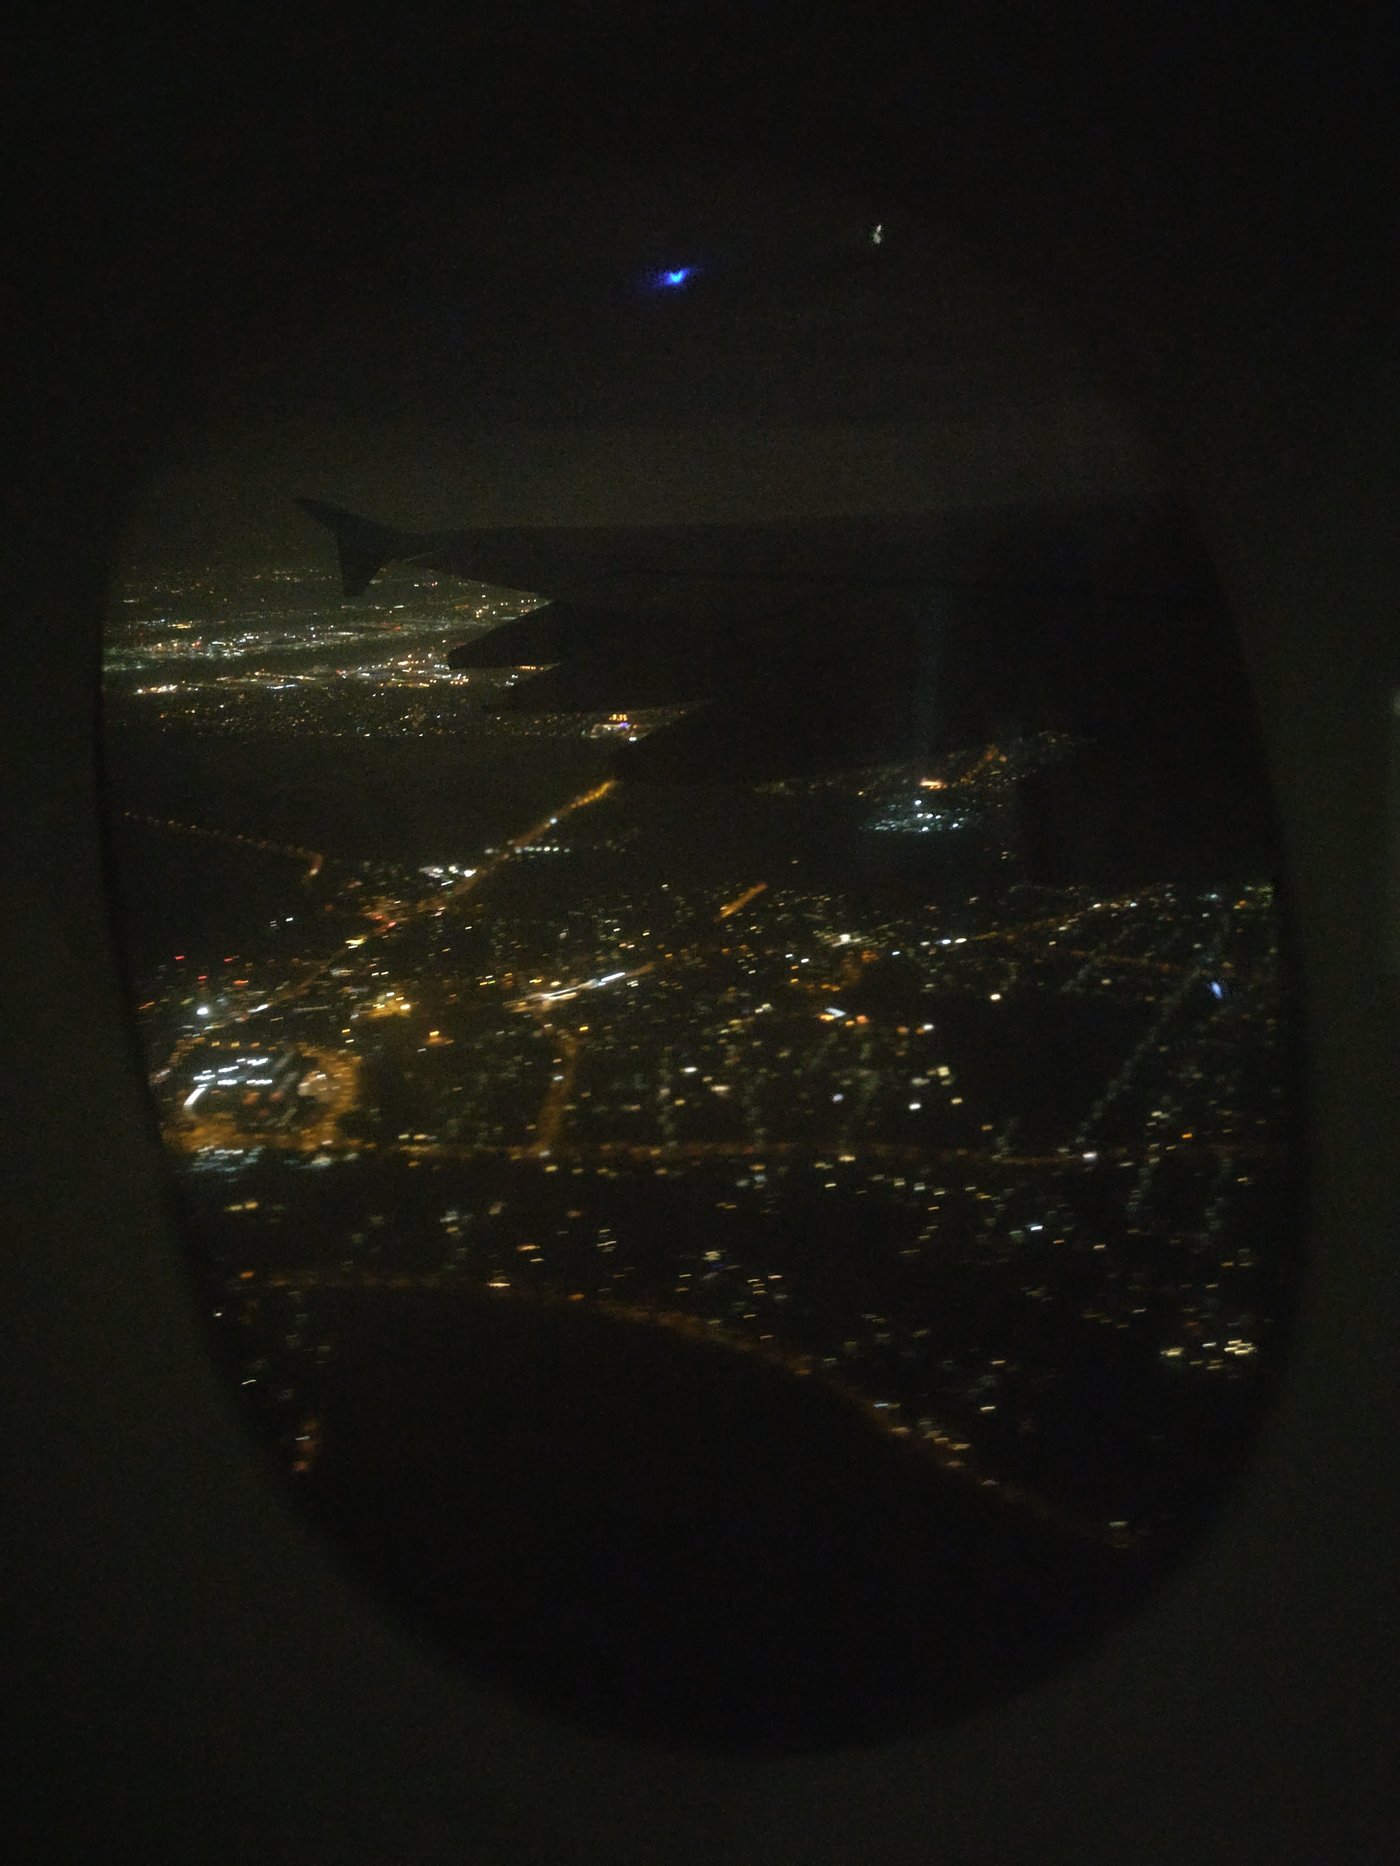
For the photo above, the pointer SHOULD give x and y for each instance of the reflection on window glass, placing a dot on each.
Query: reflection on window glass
(730, 1076)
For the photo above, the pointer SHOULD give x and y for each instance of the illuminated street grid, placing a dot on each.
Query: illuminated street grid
(941, 1157)
(290, 659)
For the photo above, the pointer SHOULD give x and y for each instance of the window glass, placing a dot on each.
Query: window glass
(703, 916)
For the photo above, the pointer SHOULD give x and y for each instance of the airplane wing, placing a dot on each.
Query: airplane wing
(808, 647)
(814, 680)
(362, 546)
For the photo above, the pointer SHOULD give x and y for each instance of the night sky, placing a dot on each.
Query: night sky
(504, 359)
(398, 270)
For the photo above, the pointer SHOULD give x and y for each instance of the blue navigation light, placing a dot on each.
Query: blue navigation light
(1217, 988)
(675, 276)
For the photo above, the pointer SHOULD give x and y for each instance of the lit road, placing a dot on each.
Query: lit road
(469, 883)
(698, 1152)
(742, 900)
(559, 994)
(262, 844)
(556, 1102)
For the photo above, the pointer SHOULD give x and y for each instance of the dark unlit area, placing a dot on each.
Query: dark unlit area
(677, 1540)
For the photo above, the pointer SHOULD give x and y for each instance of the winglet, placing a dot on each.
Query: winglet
(364, 547)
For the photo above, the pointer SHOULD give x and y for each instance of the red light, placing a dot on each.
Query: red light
(178, 957)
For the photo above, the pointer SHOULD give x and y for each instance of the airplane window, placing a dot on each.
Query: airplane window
(702, 910)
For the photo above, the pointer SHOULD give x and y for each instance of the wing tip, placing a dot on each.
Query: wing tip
(362, 546)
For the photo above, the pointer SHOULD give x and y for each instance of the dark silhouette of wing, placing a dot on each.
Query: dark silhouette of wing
(802, 646)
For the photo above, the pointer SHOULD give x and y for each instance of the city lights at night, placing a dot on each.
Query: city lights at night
(811, 989)
(648, 1067)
